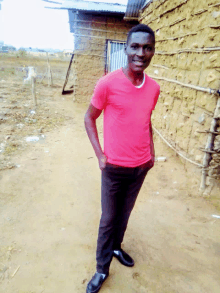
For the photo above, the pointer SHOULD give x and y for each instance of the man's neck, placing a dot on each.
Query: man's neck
(135, 77)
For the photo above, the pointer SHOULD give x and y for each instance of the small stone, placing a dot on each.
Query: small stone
(7, 137)
(180, 125)
(20, 125)
(181, 41)
(216, 14)
(198, 158)
(179, 75)
(185, 114)
(211, 77)
(201, 119)
(213, 57)
(161, 159)
(195, 45)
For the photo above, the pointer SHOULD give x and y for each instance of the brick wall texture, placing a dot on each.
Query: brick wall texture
(184, 28)
(91, 35)
(187, 50)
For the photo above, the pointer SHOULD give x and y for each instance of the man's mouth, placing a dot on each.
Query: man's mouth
(139, 63)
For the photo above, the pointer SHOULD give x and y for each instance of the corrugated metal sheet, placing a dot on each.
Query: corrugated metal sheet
(116, 57)
(53, 2)
(133, 8)
(93, 6)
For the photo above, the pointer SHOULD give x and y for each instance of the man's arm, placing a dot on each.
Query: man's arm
(152, 151)
(90, 124)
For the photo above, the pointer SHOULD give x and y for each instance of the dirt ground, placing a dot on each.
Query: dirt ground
(50, 204)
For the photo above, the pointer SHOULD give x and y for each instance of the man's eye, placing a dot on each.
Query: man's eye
(134, 46)
(148, 49)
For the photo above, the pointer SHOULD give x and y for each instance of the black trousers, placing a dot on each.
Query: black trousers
(119, 191)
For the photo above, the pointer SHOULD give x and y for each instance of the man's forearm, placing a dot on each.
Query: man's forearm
(152, 151)
(92, 132)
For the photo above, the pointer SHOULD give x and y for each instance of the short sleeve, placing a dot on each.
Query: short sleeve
(99, 97)
(156, 96)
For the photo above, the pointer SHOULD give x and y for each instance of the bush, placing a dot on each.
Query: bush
(21, 53)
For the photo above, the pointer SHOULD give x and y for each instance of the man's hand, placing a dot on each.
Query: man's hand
(102, 161)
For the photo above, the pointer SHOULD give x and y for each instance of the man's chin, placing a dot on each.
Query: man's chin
(138, 68)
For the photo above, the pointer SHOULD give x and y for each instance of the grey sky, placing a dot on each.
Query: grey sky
(26, 23)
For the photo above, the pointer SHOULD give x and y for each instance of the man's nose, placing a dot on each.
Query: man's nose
(140, 51)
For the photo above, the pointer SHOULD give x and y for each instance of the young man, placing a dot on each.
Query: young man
(127, 97)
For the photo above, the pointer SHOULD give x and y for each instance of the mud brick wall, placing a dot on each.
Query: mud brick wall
(91, 34)
(215, 163)
(184, 30)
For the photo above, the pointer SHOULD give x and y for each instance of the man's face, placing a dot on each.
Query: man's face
(140, 50)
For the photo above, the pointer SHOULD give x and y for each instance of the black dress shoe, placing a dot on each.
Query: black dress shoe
(96, 283)
(124, 258)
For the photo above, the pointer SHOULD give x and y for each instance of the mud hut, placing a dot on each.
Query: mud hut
(187, 66)
(100, 33)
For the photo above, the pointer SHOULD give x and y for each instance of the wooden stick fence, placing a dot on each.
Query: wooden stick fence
(96, 55)
(209, 145)
(31, 79)
(33, 83)
(49, 76)
(160, 66)
(208, 131)
(98, 30)
(67, 76)
(173, 148)
(208, 150)
(99, 22)
(195, 87)
(189, 50)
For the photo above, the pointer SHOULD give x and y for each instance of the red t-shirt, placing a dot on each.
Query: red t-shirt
(127, 113)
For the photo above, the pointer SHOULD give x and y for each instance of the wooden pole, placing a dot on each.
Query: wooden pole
(195, 87)
(99, 30)
(189, 50)
(177, 152)
(49, 74)
(209, 146)
(33, 82)
(43, 77)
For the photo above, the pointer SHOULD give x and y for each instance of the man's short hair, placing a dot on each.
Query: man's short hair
(140, 28)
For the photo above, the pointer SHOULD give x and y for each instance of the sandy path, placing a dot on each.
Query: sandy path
(50, 209)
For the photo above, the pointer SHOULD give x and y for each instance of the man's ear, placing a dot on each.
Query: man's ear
(125, 49)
